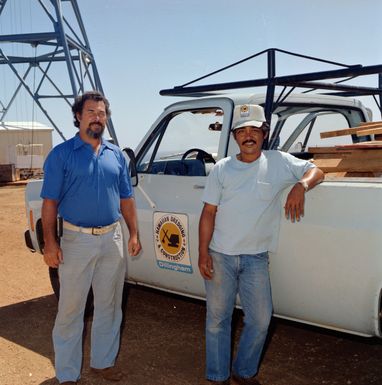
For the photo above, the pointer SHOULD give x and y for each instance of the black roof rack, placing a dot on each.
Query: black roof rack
(311, 81)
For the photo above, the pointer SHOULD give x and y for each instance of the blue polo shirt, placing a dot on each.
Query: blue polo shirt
(88, 187)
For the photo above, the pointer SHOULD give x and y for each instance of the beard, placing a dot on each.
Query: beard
(97, 133)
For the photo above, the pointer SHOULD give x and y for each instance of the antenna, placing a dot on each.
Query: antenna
(64, 54)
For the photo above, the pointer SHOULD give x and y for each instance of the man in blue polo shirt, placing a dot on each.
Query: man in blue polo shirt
(86, 183)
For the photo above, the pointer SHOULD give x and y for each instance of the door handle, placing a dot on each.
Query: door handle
(199, 186)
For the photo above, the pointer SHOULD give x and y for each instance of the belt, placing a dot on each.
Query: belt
(90, 230)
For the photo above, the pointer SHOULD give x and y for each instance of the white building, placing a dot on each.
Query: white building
(23, 149)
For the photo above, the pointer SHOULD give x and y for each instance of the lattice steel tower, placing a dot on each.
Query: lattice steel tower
(60, 64)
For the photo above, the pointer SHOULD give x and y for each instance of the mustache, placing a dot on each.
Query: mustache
(95, 124)
(249, 141)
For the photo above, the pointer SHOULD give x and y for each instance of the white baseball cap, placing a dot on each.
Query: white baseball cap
(248, 115)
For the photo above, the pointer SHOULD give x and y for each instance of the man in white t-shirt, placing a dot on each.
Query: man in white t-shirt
(238, 226)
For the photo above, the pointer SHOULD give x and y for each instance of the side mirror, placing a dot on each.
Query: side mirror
(132, 166)
(215, 126)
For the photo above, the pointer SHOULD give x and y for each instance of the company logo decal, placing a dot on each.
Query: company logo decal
(244, 111)
(171, 241)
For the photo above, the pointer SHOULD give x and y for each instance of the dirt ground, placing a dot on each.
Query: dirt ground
(163, 335)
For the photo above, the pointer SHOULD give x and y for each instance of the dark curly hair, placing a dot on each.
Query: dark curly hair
(80, 100)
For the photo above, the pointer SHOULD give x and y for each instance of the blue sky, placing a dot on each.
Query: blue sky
(142, 46)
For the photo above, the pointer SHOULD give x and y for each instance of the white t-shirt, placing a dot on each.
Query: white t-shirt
(248, 199)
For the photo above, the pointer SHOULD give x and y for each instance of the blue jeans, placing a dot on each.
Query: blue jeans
(95, 261)
(248, 276)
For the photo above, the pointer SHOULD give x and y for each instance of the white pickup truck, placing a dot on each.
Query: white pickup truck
(328, 267)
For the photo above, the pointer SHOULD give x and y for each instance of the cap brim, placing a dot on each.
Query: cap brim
(248, 123)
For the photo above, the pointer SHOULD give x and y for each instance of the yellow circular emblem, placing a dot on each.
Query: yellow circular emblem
(170, 237)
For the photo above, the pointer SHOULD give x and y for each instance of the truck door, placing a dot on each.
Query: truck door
(173, 163)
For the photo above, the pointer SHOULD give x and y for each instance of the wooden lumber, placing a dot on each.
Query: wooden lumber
(335, 175)
(366, 146)
(349, 165)
(360, 155)
(370, 131)
(343, 132)
(371, 145)
(362, 174)
(359, 159)
(325, 150)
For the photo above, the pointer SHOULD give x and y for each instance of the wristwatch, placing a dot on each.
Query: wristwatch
(304, 184)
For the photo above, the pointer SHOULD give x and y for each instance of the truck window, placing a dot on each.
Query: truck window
(186, 145)
(301, 131)
(295, 127)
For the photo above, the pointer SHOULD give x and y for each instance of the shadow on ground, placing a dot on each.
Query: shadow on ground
(30, 323)
(163, 343)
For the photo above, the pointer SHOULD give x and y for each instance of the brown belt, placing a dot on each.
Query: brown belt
(90, 230)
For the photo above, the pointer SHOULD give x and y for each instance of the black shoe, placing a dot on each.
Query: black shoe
(109, 374)
(245, 381)
(225, 382)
